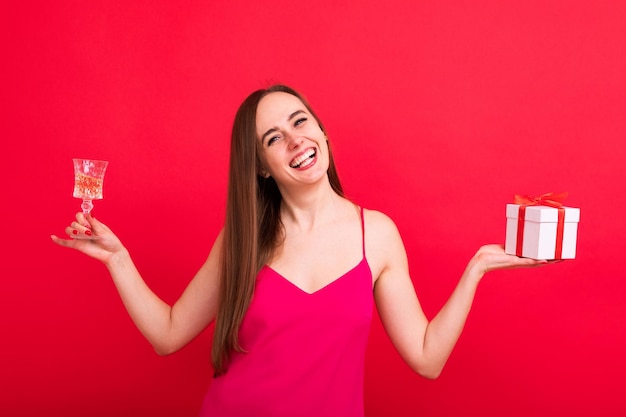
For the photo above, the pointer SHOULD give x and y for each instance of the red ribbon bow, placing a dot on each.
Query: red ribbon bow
(549, 199)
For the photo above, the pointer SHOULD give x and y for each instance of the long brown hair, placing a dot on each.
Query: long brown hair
(252, 227)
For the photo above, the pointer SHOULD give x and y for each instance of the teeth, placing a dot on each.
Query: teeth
(302, 159)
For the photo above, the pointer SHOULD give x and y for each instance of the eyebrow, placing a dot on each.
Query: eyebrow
(274, 129)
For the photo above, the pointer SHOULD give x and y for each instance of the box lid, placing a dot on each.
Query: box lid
(543, 214)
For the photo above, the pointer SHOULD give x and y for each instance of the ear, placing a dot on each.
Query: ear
(264, 173)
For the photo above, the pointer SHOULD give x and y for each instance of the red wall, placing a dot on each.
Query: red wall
(438, 111)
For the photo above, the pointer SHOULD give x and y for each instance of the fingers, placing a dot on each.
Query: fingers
(493, 257)
(86, 225)
(59, 241)
(79, 230)
(81, 219)
(495, 254)
(96, 226)
(66, 243)
(532, 262)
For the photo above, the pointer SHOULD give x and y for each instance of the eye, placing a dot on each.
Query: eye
(299, 121)
(271, 140)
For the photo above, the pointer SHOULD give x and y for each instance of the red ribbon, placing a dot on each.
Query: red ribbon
(551, 200)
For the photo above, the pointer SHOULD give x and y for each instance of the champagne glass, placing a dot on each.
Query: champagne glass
(88, 181)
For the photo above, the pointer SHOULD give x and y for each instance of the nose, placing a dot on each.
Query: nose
(294, 141)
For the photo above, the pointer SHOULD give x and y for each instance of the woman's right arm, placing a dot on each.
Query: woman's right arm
(167, 328)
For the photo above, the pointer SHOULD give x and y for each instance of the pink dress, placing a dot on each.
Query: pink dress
(305, 352)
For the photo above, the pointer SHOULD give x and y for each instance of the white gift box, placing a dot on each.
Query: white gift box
(540, 232)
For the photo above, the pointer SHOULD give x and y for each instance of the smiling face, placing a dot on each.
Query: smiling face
(293, 146)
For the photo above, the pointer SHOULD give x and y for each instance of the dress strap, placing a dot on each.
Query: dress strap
(363, 231)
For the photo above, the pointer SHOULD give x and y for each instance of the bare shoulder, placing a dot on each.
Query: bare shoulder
(383, 243)
(379, 225)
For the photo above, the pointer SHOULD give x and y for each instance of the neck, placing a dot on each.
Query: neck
(308, 206)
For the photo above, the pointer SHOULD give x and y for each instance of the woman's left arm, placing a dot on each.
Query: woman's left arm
(425, 345)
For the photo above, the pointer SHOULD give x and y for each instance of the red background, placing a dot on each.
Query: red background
(438, 112)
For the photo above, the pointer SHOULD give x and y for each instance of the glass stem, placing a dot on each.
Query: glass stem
(86, 206)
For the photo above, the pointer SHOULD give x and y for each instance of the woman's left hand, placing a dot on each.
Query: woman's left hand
(492, 257)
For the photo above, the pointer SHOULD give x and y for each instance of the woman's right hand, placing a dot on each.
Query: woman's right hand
(91, 237)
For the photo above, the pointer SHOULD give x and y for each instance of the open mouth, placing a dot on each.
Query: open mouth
(303, 160)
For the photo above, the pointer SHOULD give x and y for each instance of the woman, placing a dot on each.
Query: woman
(292, 278)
